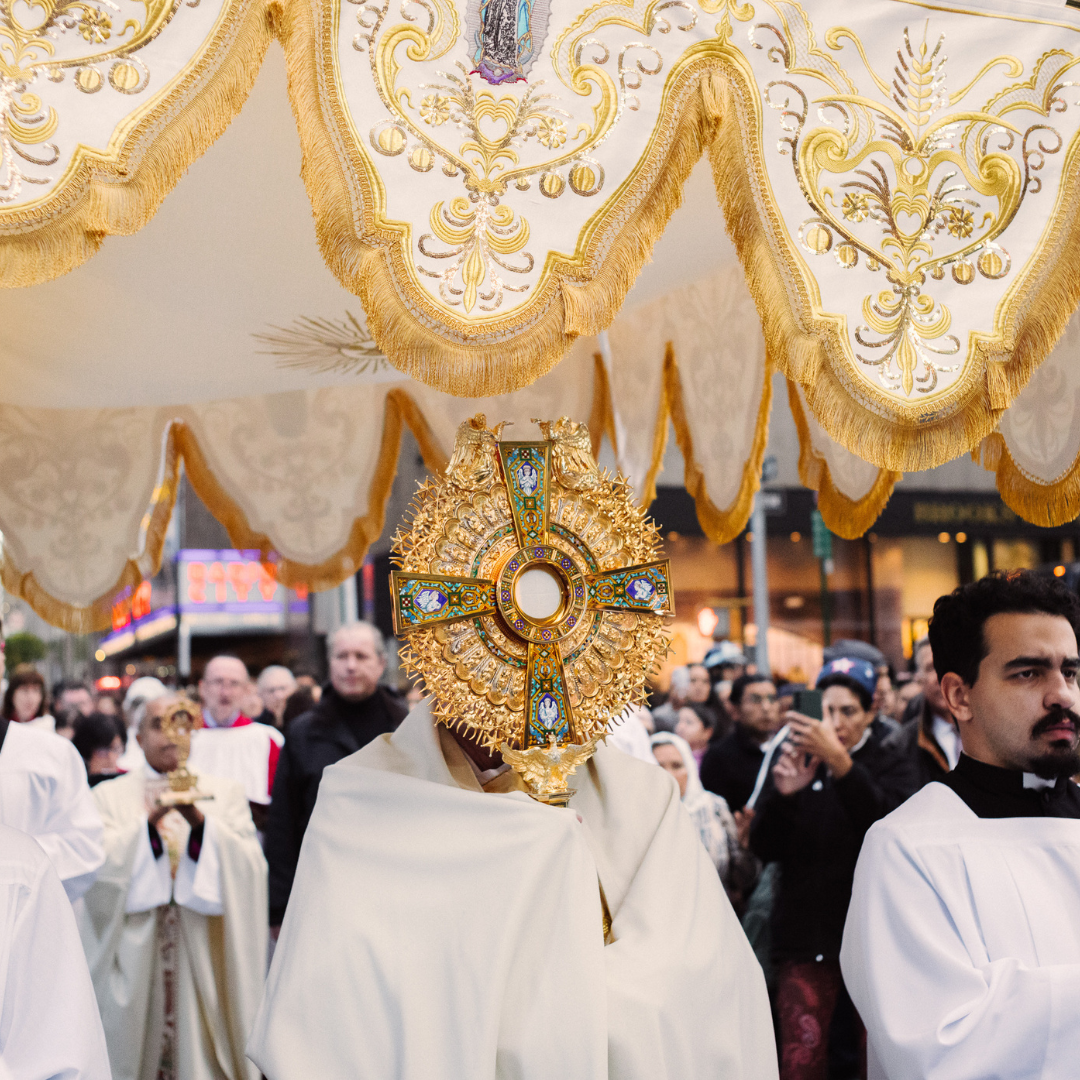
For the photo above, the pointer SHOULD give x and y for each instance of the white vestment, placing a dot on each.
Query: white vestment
(49, 1023)
(246, 752)
(440, 932)
(44, 792)
(962, 944)
(181, 977)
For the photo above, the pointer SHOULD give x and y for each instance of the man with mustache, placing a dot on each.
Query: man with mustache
(961, 949)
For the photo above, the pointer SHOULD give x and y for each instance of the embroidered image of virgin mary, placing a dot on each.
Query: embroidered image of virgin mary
(507, 35)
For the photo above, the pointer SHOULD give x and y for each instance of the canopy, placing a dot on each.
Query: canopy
(147, 354)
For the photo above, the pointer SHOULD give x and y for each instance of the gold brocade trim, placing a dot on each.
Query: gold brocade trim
(848, 518)
(99, 198)
(1049, 505)
(1032, 318)
(98, 615)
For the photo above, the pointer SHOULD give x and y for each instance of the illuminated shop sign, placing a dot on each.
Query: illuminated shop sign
(234, 582)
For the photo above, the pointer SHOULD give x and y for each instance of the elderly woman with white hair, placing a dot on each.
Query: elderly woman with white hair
(715, 822)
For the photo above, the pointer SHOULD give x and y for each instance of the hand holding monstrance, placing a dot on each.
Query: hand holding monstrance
(179, 722)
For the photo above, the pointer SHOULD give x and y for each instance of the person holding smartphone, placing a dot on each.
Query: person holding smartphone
(834, 776)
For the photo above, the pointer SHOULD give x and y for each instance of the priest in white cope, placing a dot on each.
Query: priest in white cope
(445, 926)
(49, 1023)
(174, 928)
(962, 944)
(44, 792)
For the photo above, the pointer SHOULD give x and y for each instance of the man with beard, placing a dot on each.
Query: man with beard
(961, 950)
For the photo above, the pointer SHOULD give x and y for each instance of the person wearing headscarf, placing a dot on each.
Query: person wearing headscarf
(710, 814)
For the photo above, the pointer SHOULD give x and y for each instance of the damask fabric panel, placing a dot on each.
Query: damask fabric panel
(104, 105)
(85, 500)
(1036, 450)
(86, 494)
(851, 492)
(695, 358)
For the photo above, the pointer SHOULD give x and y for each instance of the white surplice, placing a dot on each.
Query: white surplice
(245, 752)
(44, 792)
(195, 936)
(49, 1023)
(962, 944)
(438, 931)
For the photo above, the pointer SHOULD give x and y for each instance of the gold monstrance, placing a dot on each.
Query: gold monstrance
(531, 594)
(179, 721)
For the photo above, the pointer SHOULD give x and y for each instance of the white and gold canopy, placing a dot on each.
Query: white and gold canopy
(488, 178)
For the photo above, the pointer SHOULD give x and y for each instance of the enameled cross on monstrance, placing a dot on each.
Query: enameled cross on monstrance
(539, 594)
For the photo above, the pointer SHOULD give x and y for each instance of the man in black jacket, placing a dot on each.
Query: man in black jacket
(929, 734)
(832, 780)
(353, 710)
(731, 764)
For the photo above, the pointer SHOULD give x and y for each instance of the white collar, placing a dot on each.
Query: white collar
(862, 742)
(1037, 783)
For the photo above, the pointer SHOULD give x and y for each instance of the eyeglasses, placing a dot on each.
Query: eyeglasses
(762, 699)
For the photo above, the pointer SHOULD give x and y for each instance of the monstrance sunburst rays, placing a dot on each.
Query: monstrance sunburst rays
(538, 683)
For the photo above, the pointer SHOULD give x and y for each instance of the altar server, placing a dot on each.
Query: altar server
(443, 926)
(44, 792)
(49, 1023)
(962, 945)
(174, 927)
(231, 745)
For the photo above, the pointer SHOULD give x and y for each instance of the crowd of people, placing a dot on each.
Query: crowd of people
(179, 900)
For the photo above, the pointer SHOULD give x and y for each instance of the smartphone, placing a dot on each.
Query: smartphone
(808, 702)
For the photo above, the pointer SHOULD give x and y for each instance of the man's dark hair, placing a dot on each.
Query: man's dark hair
(738, 687)
(64, 685)
(866, 699)
(94, 732)
(956, 628)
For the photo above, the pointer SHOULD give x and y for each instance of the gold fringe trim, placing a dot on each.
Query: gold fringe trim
(720, 526)
(98, 615)
(400, 411)
(602, 413)
(1036, 320)
(848, 518)
(118, 198)
(470, 360)
(1048, 505)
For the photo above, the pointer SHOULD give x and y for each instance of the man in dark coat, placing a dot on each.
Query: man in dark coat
(352, 711)
(731, 764)
(928, 734)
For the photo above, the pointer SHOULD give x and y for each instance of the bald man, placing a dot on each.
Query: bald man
(231, 744)
(353, 710)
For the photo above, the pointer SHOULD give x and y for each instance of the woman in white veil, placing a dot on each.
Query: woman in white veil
(715, 823)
